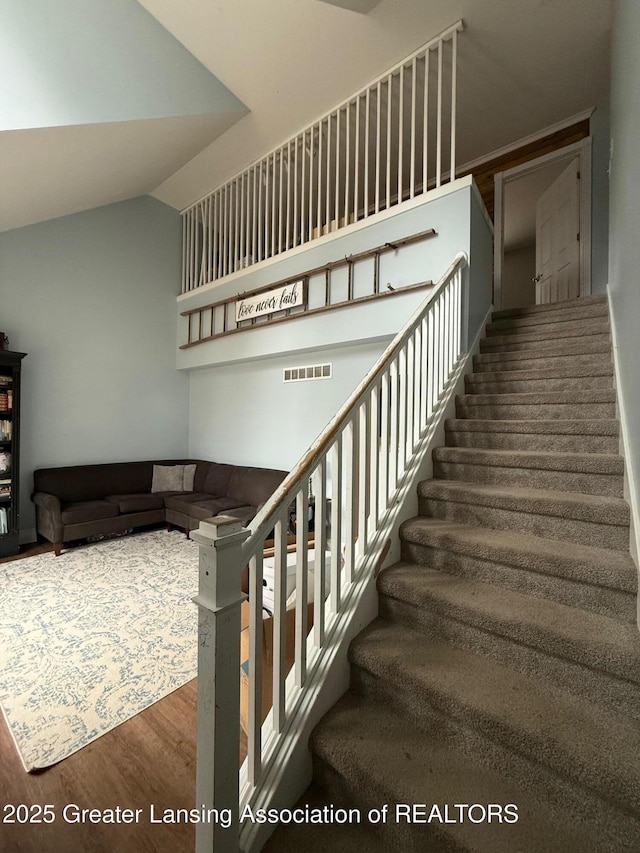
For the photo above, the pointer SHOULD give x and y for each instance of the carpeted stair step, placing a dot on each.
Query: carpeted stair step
(510, 330)
(562, 737)
(550, 307)
(380, 757)
(595, 579)
(588, 473)
(569, 369)
(594, 311)
(327, 837)
(546, 343)
(583, 436)
(536, 360)
(589, 655)
(572, 405)
(527, 381)
(601, 521)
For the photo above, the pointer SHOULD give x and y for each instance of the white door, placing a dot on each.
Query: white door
(557, 238)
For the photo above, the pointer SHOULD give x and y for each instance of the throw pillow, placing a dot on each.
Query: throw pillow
(189, 477)
(167, 478)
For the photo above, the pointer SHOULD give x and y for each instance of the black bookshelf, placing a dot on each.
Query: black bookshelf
(10, 368)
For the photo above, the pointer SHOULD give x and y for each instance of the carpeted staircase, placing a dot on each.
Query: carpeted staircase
(505, 664)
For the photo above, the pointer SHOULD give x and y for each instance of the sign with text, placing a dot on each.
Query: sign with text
(270, 301)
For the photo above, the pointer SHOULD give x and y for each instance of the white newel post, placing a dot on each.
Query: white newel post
(218, 736)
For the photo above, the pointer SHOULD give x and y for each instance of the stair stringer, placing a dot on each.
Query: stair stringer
(290, 772)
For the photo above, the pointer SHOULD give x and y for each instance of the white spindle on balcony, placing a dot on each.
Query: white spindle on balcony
(392, 140)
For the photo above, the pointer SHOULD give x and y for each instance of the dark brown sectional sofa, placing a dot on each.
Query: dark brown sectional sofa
(91, 500)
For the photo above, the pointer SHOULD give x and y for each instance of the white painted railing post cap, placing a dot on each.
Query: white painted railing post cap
(219, 539)
(220, 531)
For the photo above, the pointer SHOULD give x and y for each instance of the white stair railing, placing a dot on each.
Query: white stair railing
(357, 469)
(391, 141)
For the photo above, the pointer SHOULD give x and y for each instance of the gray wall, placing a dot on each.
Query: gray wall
(91, 299)
(625, 216)
(600, 133)
(480, 264)
(245, 414)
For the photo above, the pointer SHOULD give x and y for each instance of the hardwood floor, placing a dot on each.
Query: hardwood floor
(147, 761)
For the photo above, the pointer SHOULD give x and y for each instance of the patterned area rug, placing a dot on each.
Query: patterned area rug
(91, 638)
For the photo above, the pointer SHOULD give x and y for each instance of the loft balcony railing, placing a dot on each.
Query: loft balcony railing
(389, 142)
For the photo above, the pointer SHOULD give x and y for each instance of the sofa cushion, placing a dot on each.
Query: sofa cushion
(181, 500)
(77, 513)
(136, 503)
(189, 477)
(211, 508)
(253, 486)
(217, 479)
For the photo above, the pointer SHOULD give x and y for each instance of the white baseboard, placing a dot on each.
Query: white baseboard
(630, 485)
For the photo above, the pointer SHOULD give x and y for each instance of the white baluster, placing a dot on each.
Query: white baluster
(411, 363)
(320, 550)
(302, 584)
(439, 125)
(356, 163)
(347, 177)
(384, 443)
(364, 455)
(414, 79)
(351, 496)
(402, 412)
(254, 737)
(320, 181)
(394, 439)
(184, 253)
(327, 223)
(303, 181)
(280, 623)
(454, 78)
(425, 125)
(367, 144)
(374, 444)
(336, 200)
(400, 132)
(378, 142)
(336, 522)
(388, 151)
(288, 217)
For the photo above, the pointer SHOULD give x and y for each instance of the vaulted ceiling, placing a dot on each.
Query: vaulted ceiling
(109, 101)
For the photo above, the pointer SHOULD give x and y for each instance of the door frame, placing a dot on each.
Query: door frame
(582, 150)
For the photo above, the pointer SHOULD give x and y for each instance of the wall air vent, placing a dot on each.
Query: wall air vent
(309, 371)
